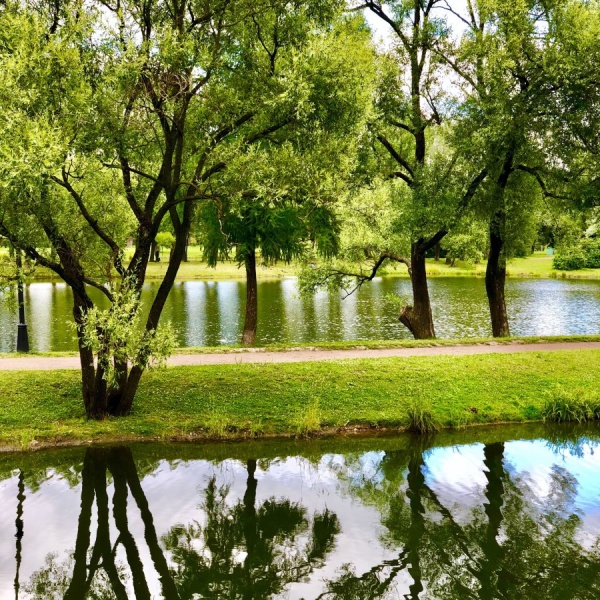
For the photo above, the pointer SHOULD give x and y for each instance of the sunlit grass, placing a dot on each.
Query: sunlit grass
(247, 400)
(536, 265)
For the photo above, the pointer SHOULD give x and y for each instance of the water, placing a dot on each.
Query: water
(207, 313)
(497, 513)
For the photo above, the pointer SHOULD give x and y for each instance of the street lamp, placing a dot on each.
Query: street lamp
(22, 337)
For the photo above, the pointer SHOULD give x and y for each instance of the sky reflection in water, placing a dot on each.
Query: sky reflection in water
(383, 518)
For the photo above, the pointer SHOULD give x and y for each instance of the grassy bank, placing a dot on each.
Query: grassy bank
(537, 265)
(240, 401)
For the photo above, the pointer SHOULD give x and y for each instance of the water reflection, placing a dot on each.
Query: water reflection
(396, 518)
(208, 313)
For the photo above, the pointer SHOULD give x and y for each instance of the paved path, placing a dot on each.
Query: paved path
(44, 363)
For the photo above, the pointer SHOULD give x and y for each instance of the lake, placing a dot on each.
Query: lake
(210, 313)
(495, 513)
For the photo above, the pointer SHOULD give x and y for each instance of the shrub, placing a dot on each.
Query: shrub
(591, 251)
(571, 259)
(564, 406)
(421, 420)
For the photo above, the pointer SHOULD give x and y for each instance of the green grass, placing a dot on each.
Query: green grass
(536, 265)
(250, 400)
(571, 405)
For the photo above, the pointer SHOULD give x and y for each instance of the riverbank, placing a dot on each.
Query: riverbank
(538, 265)
(244, 401)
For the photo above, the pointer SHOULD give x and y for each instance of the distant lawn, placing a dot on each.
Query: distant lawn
(536, 265)
(250, 400)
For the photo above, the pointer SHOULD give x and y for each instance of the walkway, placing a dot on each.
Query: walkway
(44, 363)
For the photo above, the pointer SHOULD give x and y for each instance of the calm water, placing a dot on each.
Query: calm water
(511, 514)
(207, 313)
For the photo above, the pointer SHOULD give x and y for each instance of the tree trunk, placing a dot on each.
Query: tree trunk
(495, 277)
(153, 252)
(416, 482)
(418, 318)
(185, 251)
(438, 249)
(251, 319)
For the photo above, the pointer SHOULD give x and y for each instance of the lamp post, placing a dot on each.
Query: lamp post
(22, 337)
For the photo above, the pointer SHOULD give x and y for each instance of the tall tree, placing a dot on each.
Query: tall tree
(511, 63)
(280, 195)
(121, 116)
(408, 163)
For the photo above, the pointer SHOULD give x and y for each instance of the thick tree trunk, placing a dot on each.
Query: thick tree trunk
(495, 277)
(95, 406)
(418, 318)
(251, 319)
(438, 249)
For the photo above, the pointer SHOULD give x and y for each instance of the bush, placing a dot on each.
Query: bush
(585, 255)
(591, 251)
(421, 419)
(572, 259)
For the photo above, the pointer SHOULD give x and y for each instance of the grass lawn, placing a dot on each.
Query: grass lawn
(536, 265)
(241, 401)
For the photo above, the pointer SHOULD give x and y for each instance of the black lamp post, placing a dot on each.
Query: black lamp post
(22, 337)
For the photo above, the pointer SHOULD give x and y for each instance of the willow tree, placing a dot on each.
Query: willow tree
(408, 170)
(515, 62)
(122, 116)
(278, 197)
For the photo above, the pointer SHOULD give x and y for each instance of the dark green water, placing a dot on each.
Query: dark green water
(497, 513)
(207, 313)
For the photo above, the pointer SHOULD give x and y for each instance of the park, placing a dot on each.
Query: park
(300, 300)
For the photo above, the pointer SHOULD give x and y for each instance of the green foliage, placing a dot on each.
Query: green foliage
(565, 405)
(165, 239)
(586, 255)
(591, 251)
(117, 336)
(467, 244)
(572, 259)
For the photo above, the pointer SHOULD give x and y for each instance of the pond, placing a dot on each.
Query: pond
(495, 513)
(209, 313)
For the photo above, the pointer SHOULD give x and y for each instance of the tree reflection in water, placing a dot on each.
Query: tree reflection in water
(517, 546)
(248, 552)
(245, 551)
(516, 543)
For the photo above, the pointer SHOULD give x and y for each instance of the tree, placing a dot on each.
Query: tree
(124, 116)
(512, 63)
(280, 195)
(266, 531)
(408, 158)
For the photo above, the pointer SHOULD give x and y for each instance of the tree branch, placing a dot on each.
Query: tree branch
(93, 223)
(401, 161)
(538, 177)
